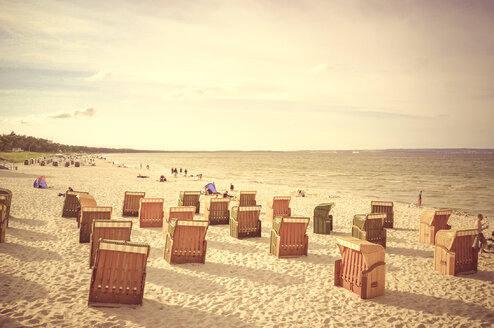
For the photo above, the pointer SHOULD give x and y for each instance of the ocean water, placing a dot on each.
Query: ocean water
(459, 179)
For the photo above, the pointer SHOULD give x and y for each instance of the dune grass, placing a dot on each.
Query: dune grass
(19, 157)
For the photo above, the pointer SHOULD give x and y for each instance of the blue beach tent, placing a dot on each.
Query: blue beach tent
(211, 187)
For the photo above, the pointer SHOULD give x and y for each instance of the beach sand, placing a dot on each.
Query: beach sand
(44, 274)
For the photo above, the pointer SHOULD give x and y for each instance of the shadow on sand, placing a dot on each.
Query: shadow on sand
(16, 288)
(30, 235)
(435, 305)
(28, 253)
(155, 314)
(29, 222)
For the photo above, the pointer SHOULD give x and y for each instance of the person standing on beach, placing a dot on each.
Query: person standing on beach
(420, 198)
(480, 241)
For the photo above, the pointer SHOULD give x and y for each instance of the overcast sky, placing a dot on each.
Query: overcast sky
(249, 75)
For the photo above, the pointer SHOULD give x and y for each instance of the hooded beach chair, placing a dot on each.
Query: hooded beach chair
(454, 251)
(186, 213)
(279, 206)
(119, 273)
(186, 241)
(384, 207)
(131, 203)
(431, 222)
(247, 198)
(288, 237)
(370, 227)
(217, 211)
(190, 198)
(83, 200)
(3, 222)
(244, 221)
(323, 221)
(107, 229)
(361, 268)
(151, 212)
(88, 215)
(71, 204)
(7, 201)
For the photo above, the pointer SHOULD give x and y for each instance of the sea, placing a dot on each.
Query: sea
(462, 179)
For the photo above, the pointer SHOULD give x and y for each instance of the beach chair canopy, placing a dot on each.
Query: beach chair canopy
(40, 182)
(446, 238)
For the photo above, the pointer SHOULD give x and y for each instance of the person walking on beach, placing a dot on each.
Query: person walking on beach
(480, 241)
(185, 171)
(420, 198)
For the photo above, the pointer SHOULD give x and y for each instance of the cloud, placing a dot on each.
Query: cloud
(318, 69)
(87, 112)
(189, 93)
(98, 76)
(42, 118)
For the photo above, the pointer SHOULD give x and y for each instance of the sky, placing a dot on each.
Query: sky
(249, 75)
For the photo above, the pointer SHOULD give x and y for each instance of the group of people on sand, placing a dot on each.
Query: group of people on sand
(175, 171)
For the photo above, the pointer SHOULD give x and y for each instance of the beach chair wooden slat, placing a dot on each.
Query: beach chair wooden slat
(454, 251)
(370, 227)
(185, 242)
(291, 239)
(3, 222)
(279, 206)
(217, 211)
(190, 198)
(361, 268)
(87, 216)
(151, 212)
(247, 198)
(131, 203)
(7, 201)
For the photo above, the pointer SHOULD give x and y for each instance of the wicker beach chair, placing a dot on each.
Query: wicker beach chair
(185, 241)
(384, 207)
(244, 221)
(370, 227)
(106, 229)
(190, 198)
(186, 213)
(88, 215)
(323, 221)
(279, 206)
(7, 201)
(71, 204)
(217, 211)
(119, 273)
(431, 222)
(151, 212)
(454, 252)
(361, 268)
(84, 200)
(131, 203)
(288, 237)
(3, 222)
(247, 198)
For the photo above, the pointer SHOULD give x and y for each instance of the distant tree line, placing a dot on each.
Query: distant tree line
(28, 143)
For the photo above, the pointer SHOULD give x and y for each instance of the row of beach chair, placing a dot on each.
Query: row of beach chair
(361, 268)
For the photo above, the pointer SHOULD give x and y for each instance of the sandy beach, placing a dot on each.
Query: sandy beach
(45, 277)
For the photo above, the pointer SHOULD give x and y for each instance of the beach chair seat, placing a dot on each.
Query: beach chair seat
(431, 221)
(370, 227)
(190, 198)
(108, 229)
(384, 207)
(454, 252)
(244, 221)
(151, 212)
(361, 268)
(6, 200)
(71, 204)
(186, 241)
(119, 273)
(217, 211)
(247, 198)
(288, 237)
(279, 206)
(186, 213)
(88, 215)
(131, 203)
(3, 222)
(323, 221)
